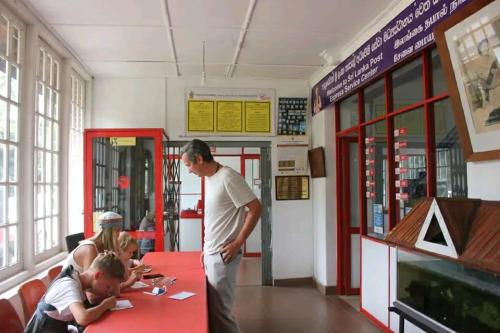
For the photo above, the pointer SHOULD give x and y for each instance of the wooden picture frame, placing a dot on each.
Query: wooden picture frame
(292, 187)
(317, 162)
(469, 47)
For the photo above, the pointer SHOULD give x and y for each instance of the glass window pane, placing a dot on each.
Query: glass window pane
(354, 184)
(14, 83)
(12, 167)
(47, 70)
(3, 77)
(39, 166)
(55, 200)
(3, 242)
(39, 70)
(374, 97)
(55, 168)
(39, 236)
(3, 162)
(55, 75)
(48, 233)
(438, 79)
(55, 105)
(55, 137)
(407, 85)
(377, 187)
(40, 131)
(3, 205)
(3, 36)
(40, 98)
(48, 167)
(13, 122)
(48, 200)
(12, 246)
(349, 112)
(48, 134)
(409, 153)
(55, 231)
(3, 119)
(451, 169)
(14, 45)
(39, 195)
(48, 102)
(12, 205)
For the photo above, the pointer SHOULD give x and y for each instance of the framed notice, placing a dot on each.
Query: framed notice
(229, 116)
(292, 116)
(201, 116)
(258, 117)
(292, 187)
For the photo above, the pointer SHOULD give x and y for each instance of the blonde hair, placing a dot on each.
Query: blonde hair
(104, 239)
(125, 240)
(110, 264)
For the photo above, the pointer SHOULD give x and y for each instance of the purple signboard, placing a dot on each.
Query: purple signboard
(405, 35)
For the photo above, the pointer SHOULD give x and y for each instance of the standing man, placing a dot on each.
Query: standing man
(231, 212)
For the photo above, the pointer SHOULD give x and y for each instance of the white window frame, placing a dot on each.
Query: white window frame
(75, 153)
(14, 20)
(48, 180)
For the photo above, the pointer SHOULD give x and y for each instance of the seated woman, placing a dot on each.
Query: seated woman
(105, 240)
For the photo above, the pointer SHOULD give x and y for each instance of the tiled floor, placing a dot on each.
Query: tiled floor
(263, 309)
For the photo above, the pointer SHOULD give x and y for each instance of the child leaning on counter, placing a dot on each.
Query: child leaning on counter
(133, 267)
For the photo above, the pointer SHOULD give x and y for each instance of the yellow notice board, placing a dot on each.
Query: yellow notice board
(257, 116)
(229, 116)
(201, 116)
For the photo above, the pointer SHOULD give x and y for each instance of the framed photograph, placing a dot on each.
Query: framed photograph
(469, 48)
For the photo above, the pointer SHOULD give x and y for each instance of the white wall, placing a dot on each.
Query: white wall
(136, 103)
(324, 202)
(128, 103)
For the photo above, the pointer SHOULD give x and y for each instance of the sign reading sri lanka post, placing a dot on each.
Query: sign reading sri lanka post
(406, 34)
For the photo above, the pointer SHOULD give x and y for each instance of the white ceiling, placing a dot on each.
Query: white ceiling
(130, 38)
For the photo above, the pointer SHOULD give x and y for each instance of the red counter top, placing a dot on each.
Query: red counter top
(159, 313)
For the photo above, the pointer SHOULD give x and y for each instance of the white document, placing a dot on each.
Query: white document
(122, 304)
(139, 284)
(182, 295)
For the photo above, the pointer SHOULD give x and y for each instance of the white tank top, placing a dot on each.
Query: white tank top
(70, 260)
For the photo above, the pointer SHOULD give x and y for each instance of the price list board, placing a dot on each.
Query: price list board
(400, 159)
(292, 116)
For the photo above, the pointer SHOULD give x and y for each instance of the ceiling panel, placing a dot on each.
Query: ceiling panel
(278, 72)
(101, 12)
(285, 48)
(333, 16)
(207, 13)
(210, 69)
(132, 69)
(117, 43)
(219, 47)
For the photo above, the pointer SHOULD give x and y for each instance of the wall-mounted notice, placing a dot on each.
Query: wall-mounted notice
(227, 111)
(292, 116)
(229, 116)
(200, 116)
(257, 117)
(292, 187)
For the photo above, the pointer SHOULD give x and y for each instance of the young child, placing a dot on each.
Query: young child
(64, 300)
(133, 267)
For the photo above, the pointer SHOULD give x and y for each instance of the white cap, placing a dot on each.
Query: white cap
(110, 219)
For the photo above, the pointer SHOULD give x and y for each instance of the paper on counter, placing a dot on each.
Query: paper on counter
(139, 284)
(122, 304)
(182, 295)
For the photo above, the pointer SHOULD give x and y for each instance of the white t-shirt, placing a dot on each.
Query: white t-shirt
(61, 294)
(226, 194)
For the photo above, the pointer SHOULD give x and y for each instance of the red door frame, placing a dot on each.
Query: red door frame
(343, 211)
(158, 134)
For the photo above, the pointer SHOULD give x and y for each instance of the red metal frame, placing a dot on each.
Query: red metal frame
(158, 135)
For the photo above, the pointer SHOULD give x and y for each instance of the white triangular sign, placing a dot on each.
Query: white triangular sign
(447, 249)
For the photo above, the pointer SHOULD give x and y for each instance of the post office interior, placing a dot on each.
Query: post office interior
(74, 71)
